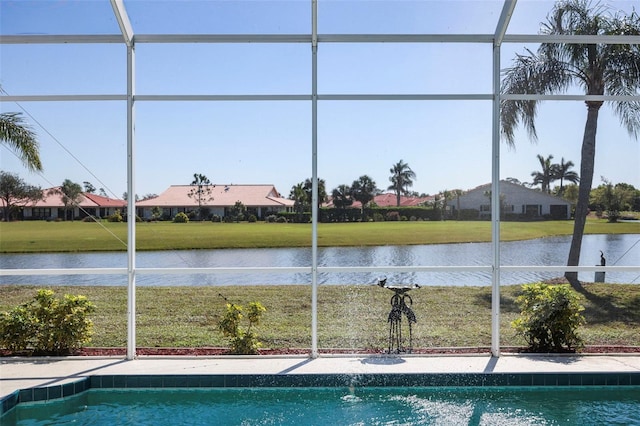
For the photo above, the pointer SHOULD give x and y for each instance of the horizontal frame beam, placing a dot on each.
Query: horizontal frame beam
(62, 98)
(326, 97)
(523, 97)
(222, 38)
(153, 98)
(323, 38)
(308, 269)
(61, 39)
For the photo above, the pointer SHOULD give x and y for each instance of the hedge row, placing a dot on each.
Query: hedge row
(377, 214)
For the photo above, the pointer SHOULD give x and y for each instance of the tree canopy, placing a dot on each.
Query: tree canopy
(201, 191)
(15, 193)
(597, 68)
(71, 195)
(401, 179)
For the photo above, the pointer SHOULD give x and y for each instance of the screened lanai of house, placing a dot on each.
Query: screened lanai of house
(134, 95)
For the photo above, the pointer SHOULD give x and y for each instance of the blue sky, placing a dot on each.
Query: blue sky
(446, 143)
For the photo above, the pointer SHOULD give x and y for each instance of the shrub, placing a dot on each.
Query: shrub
(47, 325)
(377, 217)
(272, 218)
(238, 211)
(421, 212)
(252, 218)
(243, 342)
(115, 217)
(393, 216)
(156, 213)
(468, 214)
(216, 218)
(281, 219)
(205, 213)
(549, 318)
(17, 328)
(181, 218)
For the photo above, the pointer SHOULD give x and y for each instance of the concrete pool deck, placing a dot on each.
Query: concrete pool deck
(18, 373)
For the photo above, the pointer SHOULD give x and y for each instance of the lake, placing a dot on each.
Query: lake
(619, 250)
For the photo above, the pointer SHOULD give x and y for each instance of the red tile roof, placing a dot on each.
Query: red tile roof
(54, 199)
(222, 196)
(390, 200)
(105, 201)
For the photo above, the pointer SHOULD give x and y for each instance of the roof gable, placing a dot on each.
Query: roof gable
(391, 200)
(508, 188)
(105, 201)
(218, 195)
(53, 198)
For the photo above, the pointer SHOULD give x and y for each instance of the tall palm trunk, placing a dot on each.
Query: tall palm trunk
(587, 162)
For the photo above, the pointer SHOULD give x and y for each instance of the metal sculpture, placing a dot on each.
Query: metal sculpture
(400, 307)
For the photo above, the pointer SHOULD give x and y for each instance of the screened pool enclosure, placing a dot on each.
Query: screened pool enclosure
(138, 95)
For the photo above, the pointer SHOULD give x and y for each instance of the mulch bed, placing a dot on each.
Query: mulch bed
(204, 351)
(213, 351)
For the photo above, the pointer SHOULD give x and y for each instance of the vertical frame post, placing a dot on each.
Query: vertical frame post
(495, 207)
(314, 179)
(127, 33)
(501, 29)
(131, 206)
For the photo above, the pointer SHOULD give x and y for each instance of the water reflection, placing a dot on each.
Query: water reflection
(621, 250)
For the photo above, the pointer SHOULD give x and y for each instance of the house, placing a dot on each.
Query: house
(51, 207)
(215, 199)
(391, 200)
(516, 201)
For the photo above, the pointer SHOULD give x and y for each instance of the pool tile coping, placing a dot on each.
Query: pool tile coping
(140, 381)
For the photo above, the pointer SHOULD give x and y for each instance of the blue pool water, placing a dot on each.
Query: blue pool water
(571, 405)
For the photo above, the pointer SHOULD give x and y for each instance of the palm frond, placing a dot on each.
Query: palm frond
(530, 74)
(19, 137)
(629, 114)
(622, 75)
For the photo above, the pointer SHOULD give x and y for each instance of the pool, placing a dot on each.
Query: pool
(338, 406)
(338, 399)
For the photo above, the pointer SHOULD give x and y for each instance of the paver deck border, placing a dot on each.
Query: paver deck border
(41, 379)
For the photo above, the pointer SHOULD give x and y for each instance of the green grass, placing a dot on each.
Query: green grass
(38, 237)
(349, 317)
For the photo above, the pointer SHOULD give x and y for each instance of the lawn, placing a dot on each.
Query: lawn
(39, 236)
(351, 317)
(348, 316)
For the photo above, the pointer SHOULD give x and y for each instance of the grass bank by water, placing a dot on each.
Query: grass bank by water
(40, 236)
(352, 317)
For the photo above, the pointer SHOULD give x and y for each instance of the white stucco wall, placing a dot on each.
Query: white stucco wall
(514, 198)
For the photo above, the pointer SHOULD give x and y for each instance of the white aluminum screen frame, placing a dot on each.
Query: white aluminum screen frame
(130, 39)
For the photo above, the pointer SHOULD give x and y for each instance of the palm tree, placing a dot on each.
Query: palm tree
(598, 68)
(563, 173)
(401, 179)
(547, 175)
(19, 137)
(71, 195)
(363, 190)
(299, 196)
(322, 191)
(341, 198)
